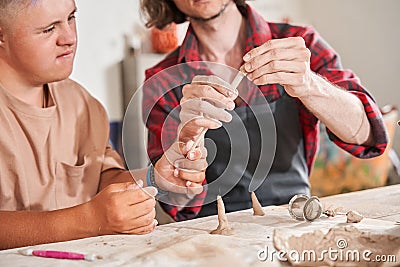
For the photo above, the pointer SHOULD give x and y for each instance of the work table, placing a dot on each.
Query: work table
(379, 203)
(189, 243)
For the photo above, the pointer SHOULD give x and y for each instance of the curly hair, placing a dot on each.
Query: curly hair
(160, 13)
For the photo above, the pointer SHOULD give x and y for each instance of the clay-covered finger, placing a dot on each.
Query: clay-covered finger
(219, 84)
(289, 42)
(194, 189)
(278, 66)
(135, 196)
(202, 107)
(142, 215)
(188, 165)
(143, 229)
(197, 90)
(197, 153)
(192, 177)
(278, 56)
(196, 125)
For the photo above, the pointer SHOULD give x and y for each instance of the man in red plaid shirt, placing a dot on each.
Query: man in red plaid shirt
(296, 73)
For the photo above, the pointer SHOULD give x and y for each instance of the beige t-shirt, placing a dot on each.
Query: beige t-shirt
(53, 158)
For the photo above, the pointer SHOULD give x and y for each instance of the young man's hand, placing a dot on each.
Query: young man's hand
(123, 208)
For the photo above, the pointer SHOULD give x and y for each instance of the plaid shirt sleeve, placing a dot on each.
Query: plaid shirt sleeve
(325, 61)
(161, 117)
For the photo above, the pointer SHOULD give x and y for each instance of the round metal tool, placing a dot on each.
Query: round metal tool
(312, 209)
(302, 207)
(296, 205)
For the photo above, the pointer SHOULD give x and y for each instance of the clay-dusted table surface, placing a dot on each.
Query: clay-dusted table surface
(190, 244)
(378, 203)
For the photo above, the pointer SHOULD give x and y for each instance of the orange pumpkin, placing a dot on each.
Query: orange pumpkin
(165, 40)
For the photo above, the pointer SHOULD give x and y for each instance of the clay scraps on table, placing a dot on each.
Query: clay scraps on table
(352, 215)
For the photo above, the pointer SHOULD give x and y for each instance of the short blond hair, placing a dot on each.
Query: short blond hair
(9, 8)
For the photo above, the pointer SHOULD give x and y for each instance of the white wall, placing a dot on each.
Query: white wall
(366, 33)
(101, 28)
(276, 10)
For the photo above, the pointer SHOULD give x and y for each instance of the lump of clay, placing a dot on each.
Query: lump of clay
(223, 224)
(257, 208)
(354, 217)
(343, 239)
(332, 212)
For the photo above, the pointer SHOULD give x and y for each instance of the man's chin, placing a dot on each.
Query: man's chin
(223, 8)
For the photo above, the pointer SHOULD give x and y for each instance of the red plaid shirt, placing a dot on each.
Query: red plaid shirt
(160, 103)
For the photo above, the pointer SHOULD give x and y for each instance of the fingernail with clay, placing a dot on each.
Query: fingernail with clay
(132, 187)
(189, 144)
(228, 117)
(231, 105)
(191, 155)
(139, 183)
(246, 57)
(176, 173)
(188, 183)
(217, 124)
(247, 67)
(152, 191)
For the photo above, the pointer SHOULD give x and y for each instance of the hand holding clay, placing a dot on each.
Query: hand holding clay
(203, 106)
(169, 178)
(285, 61)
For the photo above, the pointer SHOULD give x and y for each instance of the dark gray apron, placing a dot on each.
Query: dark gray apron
(288, 174)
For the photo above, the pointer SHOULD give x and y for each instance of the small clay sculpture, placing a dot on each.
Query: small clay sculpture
(257, 208)
(223, 224)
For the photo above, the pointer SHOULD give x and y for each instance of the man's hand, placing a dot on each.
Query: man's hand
(287, 62)
(284, 61)
(203, 105)
(169, 178)
(181, 170)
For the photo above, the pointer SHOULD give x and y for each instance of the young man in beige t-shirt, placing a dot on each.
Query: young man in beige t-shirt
(59, 178)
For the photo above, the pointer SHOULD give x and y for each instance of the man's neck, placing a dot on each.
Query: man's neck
(222, 39)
